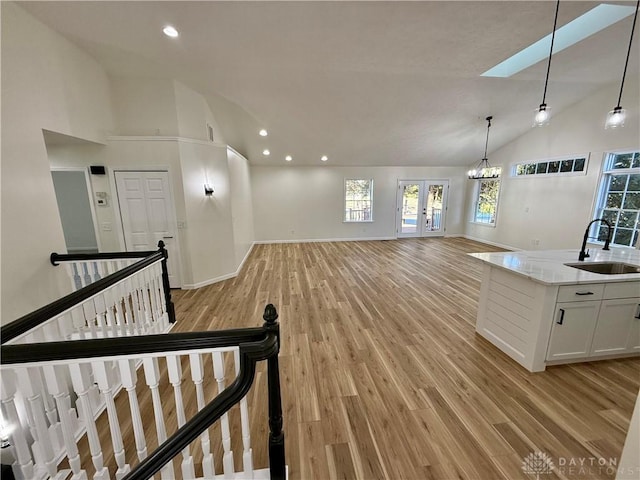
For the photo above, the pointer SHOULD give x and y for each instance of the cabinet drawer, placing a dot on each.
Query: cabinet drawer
(580, 293)
(622, 290)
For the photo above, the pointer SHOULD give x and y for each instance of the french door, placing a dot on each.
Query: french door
(148, 216)
(422, 205)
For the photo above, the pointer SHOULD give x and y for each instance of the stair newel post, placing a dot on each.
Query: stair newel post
(276, 435)
(165, 283)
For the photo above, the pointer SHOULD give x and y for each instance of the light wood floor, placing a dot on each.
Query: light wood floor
(383, 375)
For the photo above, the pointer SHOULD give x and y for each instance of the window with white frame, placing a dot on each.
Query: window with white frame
(619, 199)
(485, 206)
(358, 200)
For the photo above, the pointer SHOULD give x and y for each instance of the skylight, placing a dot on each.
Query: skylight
(584, 26)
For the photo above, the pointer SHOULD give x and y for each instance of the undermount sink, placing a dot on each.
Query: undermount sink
(606, 268)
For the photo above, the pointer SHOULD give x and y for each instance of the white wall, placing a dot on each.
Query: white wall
(307, 203)
(556, 210)
(194, 114)
(241, 204)
(47, 83)
(144, 106)
(208, 219)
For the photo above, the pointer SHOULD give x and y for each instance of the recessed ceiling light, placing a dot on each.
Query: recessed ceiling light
(170, 31)
(266, 152)
(288, 158)
(324, 158)
(263, 133)
(584, 26)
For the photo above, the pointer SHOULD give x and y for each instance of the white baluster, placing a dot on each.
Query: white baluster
(86, 276)
(247, 453)
(197, 375)
(129, 379)
(89, 311)
(146, 301)
(141, 318)
(57, 385)
(29, 387)
(65, 326)
(101, 315)
(17, 438)
(120, 312)
(153, 301)
(104, 384)
(152, 377)
(102, 269)
(81, 385)
(112, 327)
(227, 457)
(72, 271)
(174, 368)
(129, 308)
(79, 323)
(96, 274)
(37, 378)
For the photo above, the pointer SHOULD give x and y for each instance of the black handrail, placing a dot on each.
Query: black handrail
(107, 347)
(37, 317)
(255, 344)
(54, 258)
(250, 353)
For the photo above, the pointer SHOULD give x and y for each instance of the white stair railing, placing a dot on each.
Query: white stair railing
(163, 371)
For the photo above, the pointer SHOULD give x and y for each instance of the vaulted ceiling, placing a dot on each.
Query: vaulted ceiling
(366, 83)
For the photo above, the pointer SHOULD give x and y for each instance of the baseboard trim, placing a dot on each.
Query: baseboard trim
(488, 242)
(319, 240)
(204, 283)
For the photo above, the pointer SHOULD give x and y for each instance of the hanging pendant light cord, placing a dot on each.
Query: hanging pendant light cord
(633, 27)
(553, 36)
(486, 144)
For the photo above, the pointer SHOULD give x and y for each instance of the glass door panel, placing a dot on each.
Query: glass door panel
(409, 208)
(421, 207)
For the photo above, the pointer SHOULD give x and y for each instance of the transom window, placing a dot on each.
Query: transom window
(486, 201)
(555, 166)
(619, 199)
(358, 204)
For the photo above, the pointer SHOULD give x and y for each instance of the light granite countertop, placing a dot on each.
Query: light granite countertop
(547, 266)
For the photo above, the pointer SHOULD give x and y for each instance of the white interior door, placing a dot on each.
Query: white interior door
(422, 205)
(148, 216)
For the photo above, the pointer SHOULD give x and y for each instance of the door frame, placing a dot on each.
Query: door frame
(90, 194)
(118, 211)
(425, 181)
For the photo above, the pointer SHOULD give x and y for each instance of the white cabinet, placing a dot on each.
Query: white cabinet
(573, 328)
(618, 327)
(595, 320)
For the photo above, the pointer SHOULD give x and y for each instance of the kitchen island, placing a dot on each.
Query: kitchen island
(541, 312)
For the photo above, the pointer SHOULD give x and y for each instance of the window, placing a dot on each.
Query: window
(358, 195)
(619, 199)
(486, 202)
(556, 166)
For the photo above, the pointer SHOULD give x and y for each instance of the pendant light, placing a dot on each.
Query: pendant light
(617, 116)
(484, 169)
(543, 113)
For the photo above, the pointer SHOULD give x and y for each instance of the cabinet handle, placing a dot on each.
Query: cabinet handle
(638, 312)
(584, 293)
(561, 319)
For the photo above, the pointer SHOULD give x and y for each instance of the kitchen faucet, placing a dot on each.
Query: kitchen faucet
(584, 254)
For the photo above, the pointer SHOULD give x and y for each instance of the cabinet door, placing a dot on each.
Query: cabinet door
(572, 332)
(618, 328)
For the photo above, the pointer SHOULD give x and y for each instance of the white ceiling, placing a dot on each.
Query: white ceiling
(366, 83)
